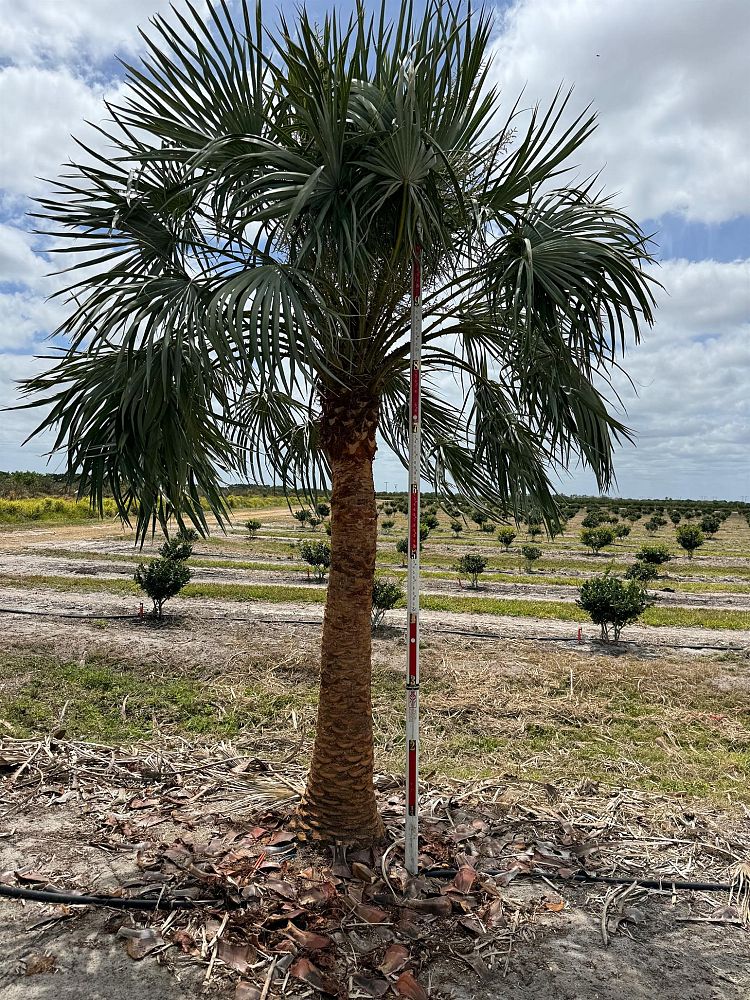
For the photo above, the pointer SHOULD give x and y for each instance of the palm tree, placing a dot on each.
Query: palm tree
(247, 242)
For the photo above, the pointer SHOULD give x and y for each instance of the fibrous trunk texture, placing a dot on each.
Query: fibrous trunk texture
(339, 802)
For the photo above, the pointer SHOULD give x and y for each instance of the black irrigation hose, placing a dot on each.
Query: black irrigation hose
(136, 616)
(69, 614)
(168, 903)
(116, 902)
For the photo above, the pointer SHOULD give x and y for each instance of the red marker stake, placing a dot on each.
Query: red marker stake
(411, 833)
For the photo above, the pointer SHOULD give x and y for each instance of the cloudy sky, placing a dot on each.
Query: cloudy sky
(672, 141)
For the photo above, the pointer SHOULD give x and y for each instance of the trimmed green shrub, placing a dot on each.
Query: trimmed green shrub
(317, 555)
(386, 594)
(689, 537)
(531, 554)
(506, 536)
(597, 538)
(253, 527)
(612, 604)
(657, 555)
(471, 565)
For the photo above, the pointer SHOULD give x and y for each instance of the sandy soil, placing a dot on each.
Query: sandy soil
(32, 564)
(204, 623)
(564, 958)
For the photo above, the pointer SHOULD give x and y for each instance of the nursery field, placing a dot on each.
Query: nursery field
(639, 752)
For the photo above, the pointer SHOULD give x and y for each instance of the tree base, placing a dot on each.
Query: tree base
(308, 825)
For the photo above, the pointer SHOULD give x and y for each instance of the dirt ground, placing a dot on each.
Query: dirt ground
(679, 946)
(69, 838)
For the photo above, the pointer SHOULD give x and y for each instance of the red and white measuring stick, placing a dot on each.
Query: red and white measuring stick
(411, 841)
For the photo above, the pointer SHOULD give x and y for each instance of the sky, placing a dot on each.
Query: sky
(672, 143)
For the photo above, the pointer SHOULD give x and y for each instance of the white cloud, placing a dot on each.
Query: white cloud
(39, 110)
(667, 80)
(36, 31)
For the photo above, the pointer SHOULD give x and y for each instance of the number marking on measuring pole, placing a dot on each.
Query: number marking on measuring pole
(411, 840)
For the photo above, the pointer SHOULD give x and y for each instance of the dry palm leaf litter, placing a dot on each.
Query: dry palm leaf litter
(277, 918)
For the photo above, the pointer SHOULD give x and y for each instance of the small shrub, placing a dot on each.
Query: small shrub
(643, 571)
(591, 520)
(534, 528)
(506, 537)
(479, 518)
(456, 527)
(402, 547)
(473, 566)
(689, 537)
(165, 577)
(710, 524)
(531, 554)
(313, 522)
(253, 527)
(387, 524)
(430, 520)
(612, 604)
(675, 517)
(597, 538)
(386, 594)
(181, 546)
(323, 510)
(621, 530)
(327, 528)
(657, 555)
(317, 555)
(303, 516)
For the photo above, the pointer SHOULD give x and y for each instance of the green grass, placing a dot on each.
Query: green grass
(659, 725)
(113, 701)
(312, 594)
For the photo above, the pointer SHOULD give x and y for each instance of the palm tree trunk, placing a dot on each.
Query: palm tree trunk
(339, 801)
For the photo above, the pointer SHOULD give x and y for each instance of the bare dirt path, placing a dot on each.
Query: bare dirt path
(31, 564)
(205, 619)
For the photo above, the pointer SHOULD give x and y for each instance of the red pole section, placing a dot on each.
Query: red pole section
(411, 834)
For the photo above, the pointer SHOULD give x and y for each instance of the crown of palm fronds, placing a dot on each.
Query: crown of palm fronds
(247, 246)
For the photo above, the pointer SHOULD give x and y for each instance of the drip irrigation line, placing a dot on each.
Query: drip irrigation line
(438, 630)
(115, 902)
(164, 902)
(69, 614)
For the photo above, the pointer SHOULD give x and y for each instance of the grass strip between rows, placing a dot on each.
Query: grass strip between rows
(555, 610)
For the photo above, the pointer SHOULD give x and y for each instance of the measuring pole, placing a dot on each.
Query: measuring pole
(411, 842)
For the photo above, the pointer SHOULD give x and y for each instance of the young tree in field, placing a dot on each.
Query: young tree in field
(612, 604)
(317, 555)
(253, 527)
(506, 536)
(471, 565)
(163, 578)
(710, 524)
(656, 555)
(303, 516)
(387, 524)
(386, 594)
(591, 520)
(244, 308)
(531, 554)
(621, 530)
(402, 547)
(643, 571)
(689, 537)
(597, 538)
(456, 527)
(480, 518)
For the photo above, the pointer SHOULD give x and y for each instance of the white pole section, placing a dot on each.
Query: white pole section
(411, 842)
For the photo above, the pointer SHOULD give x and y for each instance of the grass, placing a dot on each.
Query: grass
(311, 594)
(668, 725)
(115, 701)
